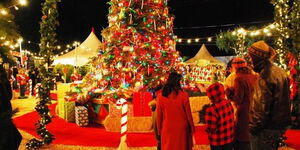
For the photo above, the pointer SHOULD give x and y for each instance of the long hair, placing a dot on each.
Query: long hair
(173, 84)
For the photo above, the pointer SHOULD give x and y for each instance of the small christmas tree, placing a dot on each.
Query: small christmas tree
(138, 49)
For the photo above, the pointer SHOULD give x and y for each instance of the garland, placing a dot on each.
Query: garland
(285, 38)
(47, 29)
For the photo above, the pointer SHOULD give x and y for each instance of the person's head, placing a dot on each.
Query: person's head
(237, 63)
(260, 51)
(173, 84)
(243, 70)
(216, 92)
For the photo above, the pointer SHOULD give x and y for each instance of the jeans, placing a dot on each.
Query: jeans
(222, 147)
(242, 145)
(266, 140)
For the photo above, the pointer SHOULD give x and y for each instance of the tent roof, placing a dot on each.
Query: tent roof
(202, 56)
(81, 54)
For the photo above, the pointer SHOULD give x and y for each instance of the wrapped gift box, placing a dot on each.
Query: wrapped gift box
(81, 116)
(66, 110)
(62, 88)
(115, 112)
(140, 104)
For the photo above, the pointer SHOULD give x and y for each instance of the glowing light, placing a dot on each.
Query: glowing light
(209, 39)
(23, 2)
(272, 26)
(197, 40)
(179, 40)
(241, 30)
(20, 40)
(269, 34)
(189, 40)
(266, 30)
(6, 43)
(58, 47)
(3, 12)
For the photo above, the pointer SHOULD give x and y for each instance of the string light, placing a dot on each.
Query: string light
(209, 39)
(4, 12)
(189, 40)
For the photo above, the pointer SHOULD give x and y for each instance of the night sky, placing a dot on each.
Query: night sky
(193, 18)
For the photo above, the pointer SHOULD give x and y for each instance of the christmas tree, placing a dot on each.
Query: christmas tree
(137, 52)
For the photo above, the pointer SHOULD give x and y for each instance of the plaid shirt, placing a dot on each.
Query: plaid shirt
(219, 117)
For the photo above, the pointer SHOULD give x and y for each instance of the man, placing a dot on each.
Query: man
(270, 108)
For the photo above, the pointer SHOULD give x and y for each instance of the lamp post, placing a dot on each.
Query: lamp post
(20, 40)
(76, 44)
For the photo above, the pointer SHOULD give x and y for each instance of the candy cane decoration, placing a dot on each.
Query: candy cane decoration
(30, 88)
(122, 104)
(36, 90)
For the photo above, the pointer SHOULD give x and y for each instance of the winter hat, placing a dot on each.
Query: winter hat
(238, 62)
(215, 92)
(261, 50)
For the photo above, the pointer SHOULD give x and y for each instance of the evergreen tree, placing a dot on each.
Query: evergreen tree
(138, 49)
(48, 27)
(8, 35)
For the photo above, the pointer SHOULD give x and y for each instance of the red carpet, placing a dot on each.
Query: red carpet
(95, 135)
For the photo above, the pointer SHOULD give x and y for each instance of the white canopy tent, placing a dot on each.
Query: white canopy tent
(203, 58)
(81, 54)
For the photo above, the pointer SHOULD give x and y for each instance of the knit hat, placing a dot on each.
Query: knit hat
(261, 50)
(238, 62)
(215, 92)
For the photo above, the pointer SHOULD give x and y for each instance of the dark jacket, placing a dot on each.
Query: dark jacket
(5, 92)
(270, 108)
(10, 138)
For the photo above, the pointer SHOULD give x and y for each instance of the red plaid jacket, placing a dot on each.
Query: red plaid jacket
(219, 117)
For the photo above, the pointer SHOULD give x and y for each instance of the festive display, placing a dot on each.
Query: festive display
(66, 109)
(138, 49)
(140, 103)
(206, 74)
(47, 29)
(284, 32)
(122, 104)
(30, 88)
(8, 35)
(81, 116)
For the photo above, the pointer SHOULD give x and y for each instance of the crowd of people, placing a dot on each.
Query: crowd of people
(250, 111)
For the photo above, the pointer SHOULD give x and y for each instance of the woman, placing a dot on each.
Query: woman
(174, 118)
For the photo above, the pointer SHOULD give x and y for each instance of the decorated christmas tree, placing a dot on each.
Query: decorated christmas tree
(137, 52)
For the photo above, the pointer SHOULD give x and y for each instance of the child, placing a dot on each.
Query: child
(219, 119)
